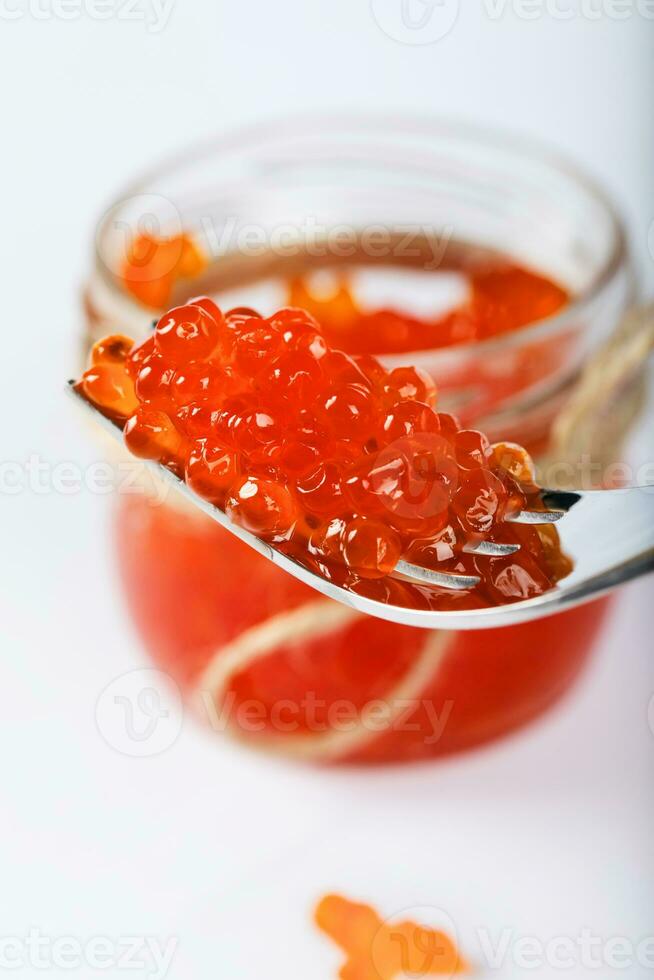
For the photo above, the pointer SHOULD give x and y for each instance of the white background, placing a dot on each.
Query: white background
(544, 834)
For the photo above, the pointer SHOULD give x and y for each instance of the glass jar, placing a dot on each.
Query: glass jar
(403, 205)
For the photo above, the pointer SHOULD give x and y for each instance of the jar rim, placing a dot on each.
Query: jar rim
(281, 128)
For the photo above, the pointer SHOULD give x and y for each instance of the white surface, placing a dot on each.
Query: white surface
(545, 834)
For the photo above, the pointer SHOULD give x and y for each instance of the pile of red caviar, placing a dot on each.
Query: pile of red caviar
(502, 297)
(343, 465)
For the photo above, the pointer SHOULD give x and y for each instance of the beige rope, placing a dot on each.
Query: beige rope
(608, 399)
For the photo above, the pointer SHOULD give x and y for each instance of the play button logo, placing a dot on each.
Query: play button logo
(415, 21)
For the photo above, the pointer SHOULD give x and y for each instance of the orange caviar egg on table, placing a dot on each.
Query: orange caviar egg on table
(378, 950)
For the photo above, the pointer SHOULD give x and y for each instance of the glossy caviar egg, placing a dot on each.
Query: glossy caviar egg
(410, 384)
(407, 418)
(300, 331)
(515, 461)
(347, 410)
(313, 343)
(150, 434)
(298, 459)
(372, 370)
(109, 387)
(154, 382)
(409, 486)
(433, 551)
(559, 563)
(239, 319)
(371, 549)
(308, 429)
(262, 507)
(372, 482)
(256, 345)
(305, 445)
(226, 419)
(326, 540)
(257, 427)
(479, 501)
(196, 420)
(341, 368)
(515, 577)
(294, 324)
(321, 491)
(472, 449)
(448, 426)
(111, 350)
(138, 354)
(208, 305)
(211, 470)
(199, 381)
(189, 333)
(293, 377)
(516, 497)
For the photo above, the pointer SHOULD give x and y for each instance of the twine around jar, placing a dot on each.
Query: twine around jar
(605, 403)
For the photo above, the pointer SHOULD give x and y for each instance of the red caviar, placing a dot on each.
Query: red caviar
(346, 466)
(501, 297)
(152, 266)
(380, 950)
